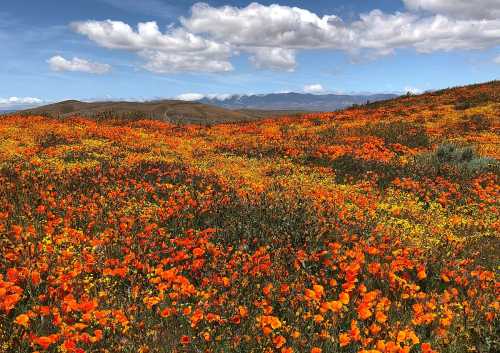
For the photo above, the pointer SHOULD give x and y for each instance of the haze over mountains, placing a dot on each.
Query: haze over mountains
(294, 101)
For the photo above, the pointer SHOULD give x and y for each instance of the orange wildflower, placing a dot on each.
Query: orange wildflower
(279, 341)
(22, 320)
(198, 252)
(46, 341)
(267, 289)
(380, 317)
(344, 339)
(344, 298)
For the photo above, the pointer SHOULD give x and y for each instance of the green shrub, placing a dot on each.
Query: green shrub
(471, 102)
(349, 169)
(453, 161)
(402, 132)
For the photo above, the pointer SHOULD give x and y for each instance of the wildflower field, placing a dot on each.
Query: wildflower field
(374, 229)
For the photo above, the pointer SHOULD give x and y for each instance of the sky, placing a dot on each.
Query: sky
(54, 50)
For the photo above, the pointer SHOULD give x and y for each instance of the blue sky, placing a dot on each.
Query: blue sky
(92, 49)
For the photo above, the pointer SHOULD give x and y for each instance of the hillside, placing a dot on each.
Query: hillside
(233, 109)
(295, 101)
(372, 230)
(165, 110)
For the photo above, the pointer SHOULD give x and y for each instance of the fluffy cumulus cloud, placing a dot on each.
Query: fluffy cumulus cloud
(273, 58)
(165, 62)
(171, 51)
(314, 88)
(274, 26)
(58, 63)
(478, 9)
(206, 40)
(386, 32)
(19, 102)
(287, 27)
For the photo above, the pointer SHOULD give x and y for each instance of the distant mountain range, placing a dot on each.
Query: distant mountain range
(207, 110)
(294, 101)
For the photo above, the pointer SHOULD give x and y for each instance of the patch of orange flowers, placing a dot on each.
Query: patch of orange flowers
(299, 234)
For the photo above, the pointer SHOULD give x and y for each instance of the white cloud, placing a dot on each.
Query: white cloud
(465, 9)
(272, 26)
(385, 32)
(162, 62)
(58, 63)
(314, 88)
(497, 60)
(198, 96)
(287, 27)
(190, 96)
(19, 102)
(173, 51)
(119, 35)
(206, 40)
(273, 58)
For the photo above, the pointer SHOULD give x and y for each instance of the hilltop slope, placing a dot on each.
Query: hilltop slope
(165, 110)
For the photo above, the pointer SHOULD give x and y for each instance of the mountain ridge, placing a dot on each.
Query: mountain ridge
(294, 101)
(236, 108)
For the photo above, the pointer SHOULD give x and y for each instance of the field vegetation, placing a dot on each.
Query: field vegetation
(370, 230)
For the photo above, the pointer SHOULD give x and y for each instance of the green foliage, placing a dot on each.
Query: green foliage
(402, 132)
(455, 162)
(471, 102)
(348, 168)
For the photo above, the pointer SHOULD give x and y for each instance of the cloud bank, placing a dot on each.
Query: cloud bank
(209, 37)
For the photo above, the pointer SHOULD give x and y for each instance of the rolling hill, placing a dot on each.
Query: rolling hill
(165, 110)
(232, 109)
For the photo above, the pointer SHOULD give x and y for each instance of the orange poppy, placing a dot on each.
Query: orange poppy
(344, 339)
(22, 320)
